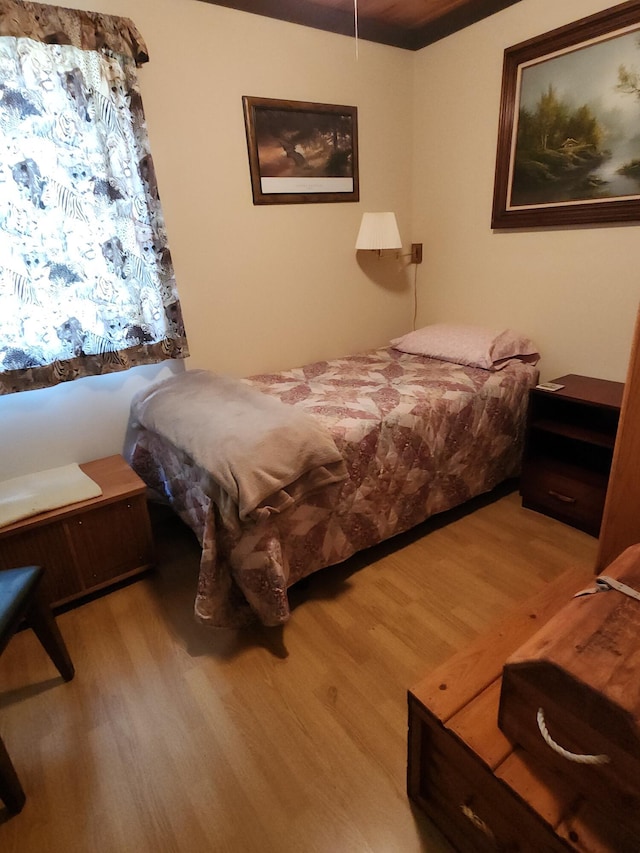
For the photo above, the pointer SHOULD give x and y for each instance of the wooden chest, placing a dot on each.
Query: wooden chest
(571, 694)
(90, 545)
(483, 792)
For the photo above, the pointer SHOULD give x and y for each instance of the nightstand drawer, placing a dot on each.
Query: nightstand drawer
(570, 499)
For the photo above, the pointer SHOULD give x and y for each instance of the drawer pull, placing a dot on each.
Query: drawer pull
(477, 821)
(559, 496)
(570, 756)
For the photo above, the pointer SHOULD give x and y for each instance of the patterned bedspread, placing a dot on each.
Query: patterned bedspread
(419, 436)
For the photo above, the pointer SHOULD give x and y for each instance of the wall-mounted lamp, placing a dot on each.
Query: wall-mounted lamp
(378, 231)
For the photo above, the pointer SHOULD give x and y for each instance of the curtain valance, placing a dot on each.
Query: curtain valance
(84, 30)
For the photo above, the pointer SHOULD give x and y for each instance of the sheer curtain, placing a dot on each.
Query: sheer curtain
(86, 279)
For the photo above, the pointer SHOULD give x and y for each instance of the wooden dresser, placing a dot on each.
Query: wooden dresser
(484, 793)
(89, 545)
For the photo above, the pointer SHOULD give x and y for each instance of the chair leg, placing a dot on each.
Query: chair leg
(41, 620)
(11, 792)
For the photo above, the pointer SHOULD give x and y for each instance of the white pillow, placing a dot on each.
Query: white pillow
(476, 346)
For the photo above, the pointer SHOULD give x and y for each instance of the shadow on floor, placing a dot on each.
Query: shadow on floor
(174, 580)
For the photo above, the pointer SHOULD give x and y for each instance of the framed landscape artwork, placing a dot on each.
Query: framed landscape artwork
(569, 131)
(301, 152)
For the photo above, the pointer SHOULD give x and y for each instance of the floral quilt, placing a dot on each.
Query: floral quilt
(419, 436)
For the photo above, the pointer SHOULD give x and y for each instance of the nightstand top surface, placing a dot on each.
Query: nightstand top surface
(586, 389)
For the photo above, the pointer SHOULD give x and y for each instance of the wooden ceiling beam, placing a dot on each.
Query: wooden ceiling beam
(313, 13)
(457, 19)
(328, 18)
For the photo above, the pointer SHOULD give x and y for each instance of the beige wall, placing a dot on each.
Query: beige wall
(270, 286)
(265, 287)
(574, 290)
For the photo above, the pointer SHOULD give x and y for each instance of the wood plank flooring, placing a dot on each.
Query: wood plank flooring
(177, 737)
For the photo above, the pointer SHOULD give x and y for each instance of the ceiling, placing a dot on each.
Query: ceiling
(410, 24)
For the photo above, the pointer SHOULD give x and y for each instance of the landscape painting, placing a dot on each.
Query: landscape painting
(301, 152)
(578, 134)
(571, 151)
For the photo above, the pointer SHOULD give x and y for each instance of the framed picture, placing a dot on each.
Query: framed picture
(301, 152)
(569, 131)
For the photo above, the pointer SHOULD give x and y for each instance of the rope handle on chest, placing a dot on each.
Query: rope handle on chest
(603, 584)
(570, 756)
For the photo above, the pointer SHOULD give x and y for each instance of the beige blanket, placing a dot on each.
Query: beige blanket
(30, 494)
(263, 453)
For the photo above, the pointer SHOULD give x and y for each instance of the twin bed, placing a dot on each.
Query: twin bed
(280, 475)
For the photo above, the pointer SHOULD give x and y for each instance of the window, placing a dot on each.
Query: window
(86, 279)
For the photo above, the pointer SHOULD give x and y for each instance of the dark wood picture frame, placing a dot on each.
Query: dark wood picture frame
(301, 152)
(525, 185)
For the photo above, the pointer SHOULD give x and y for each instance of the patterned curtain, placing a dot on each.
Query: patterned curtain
(86, 279)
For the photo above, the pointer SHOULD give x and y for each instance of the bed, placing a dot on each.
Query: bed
(406, 435)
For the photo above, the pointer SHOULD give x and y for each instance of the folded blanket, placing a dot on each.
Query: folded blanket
(263, 453)
(30, 494)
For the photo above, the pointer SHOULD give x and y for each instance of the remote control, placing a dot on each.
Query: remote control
(549, 386)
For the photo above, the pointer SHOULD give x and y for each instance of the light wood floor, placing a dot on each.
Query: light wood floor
(175, 737)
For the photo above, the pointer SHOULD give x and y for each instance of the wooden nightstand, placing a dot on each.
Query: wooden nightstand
(89, 545)
(569, 448)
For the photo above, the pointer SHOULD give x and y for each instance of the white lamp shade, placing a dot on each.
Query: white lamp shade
(378, 231)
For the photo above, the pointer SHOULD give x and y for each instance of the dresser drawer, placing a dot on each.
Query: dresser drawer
(564, 495)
